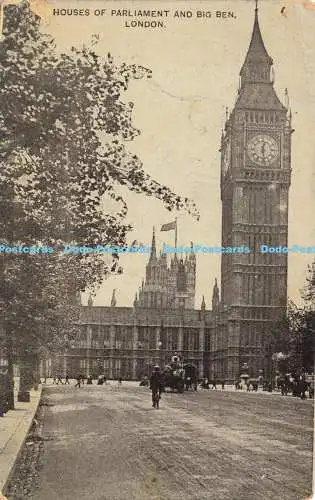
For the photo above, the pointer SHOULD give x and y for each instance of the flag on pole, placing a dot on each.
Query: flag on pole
(169, 227)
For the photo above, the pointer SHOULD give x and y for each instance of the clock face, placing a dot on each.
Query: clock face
(262, 149)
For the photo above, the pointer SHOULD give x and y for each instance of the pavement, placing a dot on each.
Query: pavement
(108, 443)
(14, 427)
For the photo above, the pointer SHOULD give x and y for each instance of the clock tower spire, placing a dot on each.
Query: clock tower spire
(255, 180)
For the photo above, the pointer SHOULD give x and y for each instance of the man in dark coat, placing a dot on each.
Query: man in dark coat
(156, 386)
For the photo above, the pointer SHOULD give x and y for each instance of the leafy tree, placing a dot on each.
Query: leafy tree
(308, 292)
(63, 152)
(294, 334)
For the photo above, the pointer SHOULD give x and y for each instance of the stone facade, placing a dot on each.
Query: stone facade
(128, 341)
(255, 180)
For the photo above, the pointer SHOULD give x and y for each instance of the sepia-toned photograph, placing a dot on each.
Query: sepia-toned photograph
(157, 249)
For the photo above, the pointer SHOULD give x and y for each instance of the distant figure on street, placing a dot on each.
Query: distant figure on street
(214, 384)
(302, 387)
(311, 388)
(156, 386)
(59, 380)
(119, 380)
(204, 383)
(223, 385)
(67, 380)
(78, 379)
(4, 390)
(54, 380)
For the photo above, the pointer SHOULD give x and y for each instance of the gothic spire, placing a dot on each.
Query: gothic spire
(257, 64)
(192, 256)
(113, 301)
(135, 302)
(215, 295)
(203, 304)
(153, 247)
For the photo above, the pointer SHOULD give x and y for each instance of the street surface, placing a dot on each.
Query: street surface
(105, 442)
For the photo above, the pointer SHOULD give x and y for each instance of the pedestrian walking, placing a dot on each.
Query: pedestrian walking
(67, 380)
(4, 390)
(59, 379)
(156, 386)
(214, 384)
(223, 385)
(78, 379)
(302, 387)
(311, 389)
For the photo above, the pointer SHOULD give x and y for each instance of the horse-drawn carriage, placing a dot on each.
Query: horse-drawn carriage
(173, 378)
(179, 376)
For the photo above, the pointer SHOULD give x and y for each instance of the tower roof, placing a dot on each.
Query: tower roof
(257, 91)
(259, 96)
(257, 53)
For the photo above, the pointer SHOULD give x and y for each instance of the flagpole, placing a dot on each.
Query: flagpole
(175, 235)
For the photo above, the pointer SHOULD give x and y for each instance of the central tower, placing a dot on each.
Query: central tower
(255, 180)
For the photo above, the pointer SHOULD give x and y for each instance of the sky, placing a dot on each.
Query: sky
(181, 111)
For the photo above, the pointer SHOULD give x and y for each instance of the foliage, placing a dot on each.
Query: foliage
(294, 334)
(308, 292)
(63, 151)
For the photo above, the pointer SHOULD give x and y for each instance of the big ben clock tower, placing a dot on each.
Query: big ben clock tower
(255, 180)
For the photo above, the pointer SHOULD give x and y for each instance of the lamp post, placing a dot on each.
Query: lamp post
(160, 352)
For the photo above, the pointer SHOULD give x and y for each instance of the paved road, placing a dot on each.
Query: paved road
(110, 444)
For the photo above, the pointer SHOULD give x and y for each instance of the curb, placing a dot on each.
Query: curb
(26, 430)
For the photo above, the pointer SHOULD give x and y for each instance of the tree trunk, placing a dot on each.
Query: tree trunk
(26, 379)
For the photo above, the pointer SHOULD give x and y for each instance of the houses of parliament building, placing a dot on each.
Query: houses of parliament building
(255, 180)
